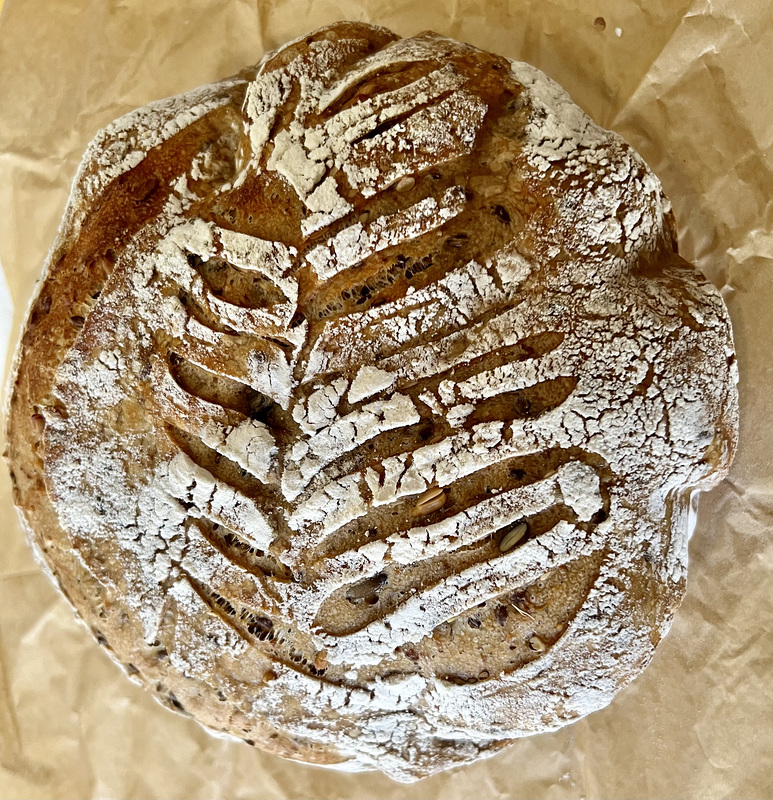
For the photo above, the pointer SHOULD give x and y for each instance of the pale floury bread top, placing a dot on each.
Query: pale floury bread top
(357, 412)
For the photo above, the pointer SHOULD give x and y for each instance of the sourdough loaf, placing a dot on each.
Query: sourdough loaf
(359, 409)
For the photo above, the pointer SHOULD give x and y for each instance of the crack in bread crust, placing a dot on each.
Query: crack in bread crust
(360, 406)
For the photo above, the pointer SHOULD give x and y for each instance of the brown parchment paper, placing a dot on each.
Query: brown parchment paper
(687, 82)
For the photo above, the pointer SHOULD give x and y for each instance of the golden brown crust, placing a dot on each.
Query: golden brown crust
(356, 415)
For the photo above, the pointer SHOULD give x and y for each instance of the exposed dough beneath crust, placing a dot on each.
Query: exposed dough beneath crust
(284, 308)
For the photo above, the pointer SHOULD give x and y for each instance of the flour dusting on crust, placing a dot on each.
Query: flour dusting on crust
(411, 479)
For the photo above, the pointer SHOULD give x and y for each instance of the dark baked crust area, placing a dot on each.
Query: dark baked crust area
(245, 314)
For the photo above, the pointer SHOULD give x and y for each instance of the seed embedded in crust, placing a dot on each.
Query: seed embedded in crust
(405, 184)
(501, 213)
(513, 535)
(537, 644)
(320, 660)
(456, 241)
(433, 499)
(38, 423)
(366, 588)
(430, 494)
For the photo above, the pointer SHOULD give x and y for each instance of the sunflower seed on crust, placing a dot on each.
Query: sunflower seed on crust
(513, 535)
(433, 499)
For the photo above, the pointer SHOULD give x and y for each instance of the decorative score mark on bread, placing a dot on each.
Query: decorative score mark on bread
(359, 409)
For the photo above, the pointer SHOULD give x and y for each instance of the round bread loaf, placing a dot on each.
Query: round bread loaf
(359, 409)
